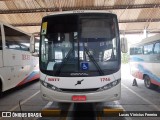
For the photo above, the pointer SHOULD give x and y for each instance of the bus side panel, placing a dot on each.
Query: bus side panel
(1, 61)
(1, 47)
(138, 69)
(32, 76)
(155, 73)
(135, 72)
(7, 75)
(13, 73)
(30, 60)
(21, 68)
(156, 69)
(134, 69)
(19, 75)
(152, 70)
(11, 57)
(30, 68)
(1, 65)
(139, 65)
(31, 72)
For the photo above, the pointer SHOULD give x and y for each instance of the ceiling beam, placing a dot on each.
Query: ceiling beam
(138, 32)
(120, 21)
(139, 20)
(137, 6)
(26, 24)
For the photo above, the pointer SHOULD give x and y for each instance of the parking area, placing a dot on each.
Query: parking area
(133, 99)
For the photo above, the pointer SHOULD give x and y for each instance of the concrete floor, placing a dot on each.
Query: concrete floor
(133, 98)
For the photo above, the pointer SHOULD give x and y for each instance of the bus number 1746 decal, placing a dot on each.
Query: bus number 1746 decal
(105, 79)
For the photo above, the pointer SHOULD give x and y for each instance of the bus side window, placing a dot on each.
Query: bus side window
(0, 40)
(157, 48)
(24, 47)
(14, 46)
(16, 40)
(131, 51)
(136, 50)
(148, 49)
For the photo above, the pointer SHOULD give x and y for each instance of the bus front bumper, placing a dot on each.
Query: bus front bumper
(111, 94)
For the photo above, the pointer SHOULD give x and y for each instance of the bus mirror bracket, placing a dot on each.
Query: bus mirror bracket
(35, 54)
(124, 45)
(32, 44)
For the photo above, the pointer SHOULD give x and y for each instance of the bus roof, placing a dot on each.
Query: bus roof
(148, 40)
(80, 11)
(8, 25)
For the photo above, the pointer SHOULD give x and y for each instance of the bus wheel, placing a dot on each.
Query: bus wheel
(148, 84)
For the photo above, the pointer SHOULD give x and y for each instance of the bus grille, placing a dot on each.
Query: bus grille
(80, 90)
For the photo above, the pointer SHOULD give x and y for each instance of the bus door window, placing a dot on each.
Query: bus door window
(45, 50)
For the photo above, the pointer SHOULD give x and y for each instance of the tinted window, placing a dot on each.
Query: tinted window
(13, 46)
(69, 41)
(139, 50)
(157, 48)
(0, 40)
(136, 50)
(131, 51)
(148, 49)
(16, 39)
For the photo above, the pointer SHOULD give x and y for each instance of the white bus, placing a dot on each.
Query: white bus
(17, 64)
(80, 57)
(145, 61)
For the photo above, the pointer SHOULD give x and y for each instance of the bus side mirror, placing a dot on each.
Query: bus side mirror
(36, 54)
(124, 45)
(32, 44)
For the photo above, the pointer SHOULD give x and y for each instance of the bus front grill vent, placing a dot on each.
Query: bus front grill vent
(80, 90)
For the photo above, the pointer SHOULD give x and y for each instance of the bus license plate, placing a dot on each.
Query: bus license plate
(79, 98)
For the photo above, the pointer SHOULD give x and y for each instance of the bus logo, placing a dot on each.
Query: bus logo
(79, 82)
(78, 11)
(78, 74)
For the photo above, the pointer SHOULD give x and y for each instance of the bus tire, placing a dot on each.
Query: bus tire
(148, 84)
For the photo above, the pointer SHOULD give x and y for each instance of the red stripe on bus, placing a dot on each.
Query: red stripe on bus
(155, 82)
(26, 81)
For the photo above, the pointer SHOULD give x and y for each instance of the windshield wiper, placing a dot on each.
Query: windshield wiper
(94, 61)
(57, 72)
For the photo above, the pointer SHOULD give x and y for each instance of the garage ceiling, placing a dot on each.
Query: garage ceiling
(133, 15)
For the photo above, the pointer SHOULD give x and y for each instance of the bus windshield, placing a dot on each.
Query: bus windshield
(79, 44)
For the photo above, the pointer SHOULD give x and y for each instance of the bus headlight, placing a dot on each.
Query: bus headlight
(47, 85)
(110, 85)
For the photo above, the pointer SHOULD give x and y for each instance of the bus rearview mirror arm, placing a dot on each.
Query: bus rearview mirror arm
(32, 44)
(124, 45)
